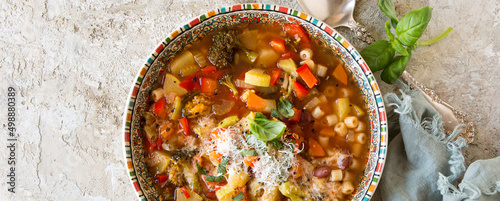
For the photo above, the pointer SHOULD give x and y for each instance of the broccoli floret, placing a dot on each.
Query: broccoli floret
(220, 52)
(227, 80)
(175, 169)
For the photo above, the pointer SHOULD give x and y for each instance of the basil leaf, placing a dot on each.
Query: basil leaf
(254, 142)
(395, 69)
(388, 30)
(201, 170)
(413, 24)
(378, 55)
(248, 153)
(275, 114)
(278, 144)
(239, 197)
(285, 108)
(396, 45)
(264, 129)
(387, 6)
(211, 178)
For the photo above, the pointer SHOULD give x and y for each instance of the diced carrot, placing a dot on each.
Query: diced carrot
(278, 45)
(255, 102)
(299, 90)
(185, 192)
(185, 125)
(315, 148)
(297, 32)
(340, 74)
(159, 108)
(208, 85)
(250, 160)
(275, 75)
(296, 116)
(166, 130)
(306, 75)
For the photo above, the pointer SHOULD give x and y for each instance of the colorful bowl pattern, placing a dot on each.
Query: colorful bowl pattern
(263, 14)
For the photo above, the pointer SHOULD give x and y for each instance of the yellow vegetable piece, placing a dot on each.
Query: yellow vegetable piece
(342, 108)
(356, 110)
(257, 77)
(159, 161)
(238, 179)
(225, 193)
(189, 70)
(267, 58)
(292, 191)
(171, 84)
(182, 60)
(288, 65)
(177, 112)
(249, 39)
(229, 121)
(193, 196)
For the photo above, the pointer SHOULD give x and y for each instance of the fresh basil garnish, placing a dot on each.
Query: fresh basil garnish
(412, 25)
(395, 69)
(278, 144)
(378, 55)
(239, 197)
(201, 170)
(264, 129)
(248, 153)
(275, 114)
(285, 107)
(221, 170)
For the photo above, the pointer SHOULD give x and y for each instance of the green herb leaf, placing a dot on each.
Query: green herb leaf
(412, 25)
(221, 170)
(239, 197)
(396, 45)
(211, 178)
(275, 114)
(378, 55)
(201, 170)
(387, 6)
(264, 129)
(388, 30)
(285, 107)
(395, 69)
(248, 153)
(254, 142)
(278, 144)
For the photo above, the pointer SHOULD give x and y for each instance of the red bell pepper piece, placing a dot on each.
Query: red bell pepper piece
(296, 116)
(275, 75)
(299, 90)
(292, 54)
(150, 145)
(185, 125)
(159, 108)
(208, 85)
(161, 178)
(158, 145)
(185, 192)
(297, 32)
(306, 75)
(209, 69)
(278, 45)
(190, 83)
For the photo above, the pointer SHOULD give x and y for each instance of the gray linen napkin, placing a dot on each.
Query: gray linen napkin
(423, 164)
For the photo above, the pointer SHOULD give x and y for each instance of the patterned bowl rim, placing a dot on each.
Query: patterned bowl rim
(373, 175)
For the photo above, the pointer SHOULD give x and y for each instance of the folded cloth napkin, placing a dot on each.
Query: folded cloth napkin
(423, 164)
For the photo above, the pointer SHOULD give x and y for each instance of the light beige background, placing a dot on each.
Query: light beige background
(73, 63)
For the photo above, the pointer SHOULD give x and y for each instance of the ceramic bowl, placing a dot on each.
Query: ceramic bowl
(213, 20)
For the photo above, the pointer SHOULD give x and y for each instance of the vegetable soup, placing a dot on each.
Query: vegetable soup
(256, 113)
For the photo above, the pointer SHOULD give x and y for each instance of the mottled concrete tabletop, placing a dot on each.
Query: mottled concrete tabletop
(73, 62)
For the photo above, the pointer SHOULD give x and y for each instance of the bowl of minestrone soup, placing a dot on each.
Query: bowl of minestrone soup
(255, 102)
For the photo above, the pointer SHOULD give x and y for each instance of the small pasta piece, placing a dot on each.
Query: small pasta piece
(157, 94)
(317, 113)
(321, 70)
(329, 131)
(351, 122)
(350, 136)
(361, 138)
(329, 91)
(347, 187)
(323, 141)
(322, 98)
(332, 119)
(348, 176)
(361, 127)
(306, 54)
(357, 149)
(336, 175)
(310, 63)
(345, 92)
(355, 164)
(340, 129)
(312, 103)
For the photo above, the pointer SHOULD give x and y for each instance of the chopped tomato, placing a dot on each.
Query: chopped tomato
(161, 178)
(185, 192)
(278, 45)
(315, 148)
(306, 75)
(275, 75)
(296, 116)
(208, 85)
(159, 108)
(299, 90)
(185, 125)
(298, 33)
(190, 83)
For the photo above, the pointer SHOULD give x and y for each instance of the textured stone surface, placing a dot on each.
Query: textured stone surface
(73, 63)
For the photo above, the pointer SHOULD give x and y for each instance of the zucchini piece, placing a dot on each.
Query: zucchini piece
(189, 70)
(185, 58)
(257, 77)
(229, 121)
(171, 84)
(159, 161)
(288, 65)
(342, 108)
(356, 110)
(177, 111)
(292, 191)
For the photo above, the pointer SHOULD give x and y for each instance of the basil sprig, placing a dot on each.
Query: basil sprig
(248, 153)
(221, 170)
(380, 54)
(264, 129)
(239, 197)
